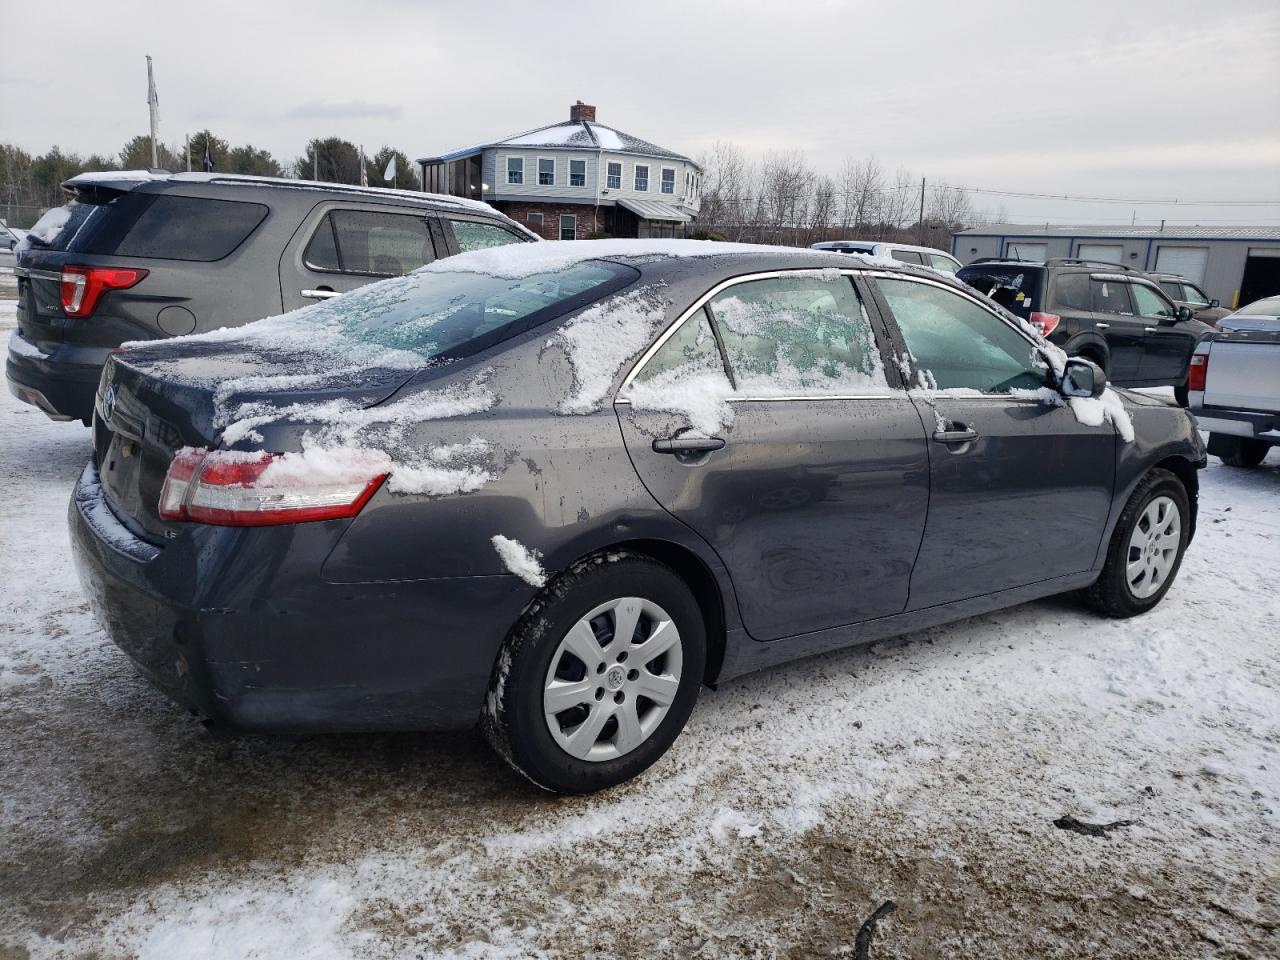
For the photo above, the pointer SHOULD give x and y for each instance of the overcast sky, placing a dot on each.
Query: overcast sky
(1145, 99)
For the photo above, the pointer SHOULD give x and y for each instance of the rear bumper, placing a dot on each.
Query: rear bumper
(232, 625)
(62, 383)
(1253, 424)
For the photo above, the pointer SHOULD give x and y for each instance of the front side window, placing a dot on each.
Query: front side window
(568, 227)
(472, 235)
(955, 343)
(614, 178)
(1149, 303)
(1194, 295)
(642, 177)
(515, 170)
(577, 173)
(1111, 296)
(943, 264)
(546, 172)
(798, 335)
(668, 180)
(370, 243)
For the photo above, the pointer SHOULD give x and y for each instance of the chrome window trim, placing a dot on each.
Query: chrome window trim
(703, 300)
(37, 274)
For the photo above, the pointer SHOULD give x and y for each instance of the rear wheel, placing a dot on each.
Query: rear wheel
(1182, 395)
(1239, 451)
(1146, 548)
(599, 677)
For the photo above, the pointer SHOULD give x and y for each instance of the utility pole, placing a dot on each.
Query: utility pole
(188, 153)
(153, 105)
(315, 162)
(920, 231)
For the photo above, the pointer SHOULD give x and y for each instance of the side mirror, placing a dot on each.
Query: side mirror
(1184, 313)
(1083, 378)
(1214, 303)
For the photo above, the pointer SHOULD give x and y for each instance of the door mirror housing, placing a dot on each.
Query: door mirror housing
(1215, 302)
(1082, 378)
(1184, 313)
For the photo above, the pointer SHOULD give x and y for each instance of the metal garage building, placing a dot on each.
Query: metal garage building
(1237, 265)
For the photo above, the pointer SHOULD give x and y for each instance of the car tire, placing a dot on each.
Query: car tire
(1139, 570)
(1243, 452)
(1183, 395)
(540, 660)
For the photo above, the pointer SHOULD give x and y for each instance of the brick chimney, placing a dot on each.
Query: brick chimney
(582, 111)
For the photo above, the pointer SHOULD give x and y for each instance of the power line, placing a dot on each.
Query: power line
(1079, 199)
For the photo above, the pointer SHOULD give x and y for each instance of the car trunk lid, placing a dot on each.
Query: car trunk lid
(152, 401)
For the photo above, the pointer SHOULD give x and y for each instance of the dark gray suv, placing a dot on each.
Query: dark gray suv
(136, 256)
(558, 487)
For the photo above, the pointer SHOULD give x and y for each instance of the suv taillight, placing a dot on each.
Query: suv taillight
(1046, 323)
(83, 287)
(1197, 371)
(230, 489)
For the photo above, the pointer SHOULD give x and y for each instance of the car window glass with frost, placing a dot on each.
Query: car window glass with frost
(955, 343)
(479, 236)
(1149, 303)
(1111, 296)
(799, 335)
(691, 352)
(944, 264)
(1193, 296)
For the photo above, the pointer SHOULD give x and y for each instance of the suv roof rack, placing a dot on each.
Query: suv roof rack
(1001, 260)
(1060, 261)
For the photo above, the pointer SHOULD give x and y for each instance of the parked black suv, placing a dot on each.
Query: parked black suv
(1187, 294)
(1116, 317)
(141, 257)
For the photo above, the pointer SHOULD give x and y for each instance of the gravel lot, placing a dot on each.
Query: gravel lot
(928, 770)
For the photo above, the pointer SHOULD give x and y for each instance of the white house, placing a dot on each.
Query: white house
(574, 180)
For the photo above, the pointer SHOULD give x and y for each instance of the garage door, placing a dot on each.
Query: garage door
(1102, 252)
(1023, 250)
(1188, 262)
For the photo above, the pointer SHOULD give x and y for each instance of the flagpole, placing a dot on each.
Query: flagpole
(188, 153)
(153, 103)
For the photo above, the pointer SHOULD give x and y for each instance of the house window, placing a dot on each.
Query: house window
(577, 173)
(568, 227)
(546, 172)
(515, 169)
(614, 180)
(642, 177)
(668, 179)
(535, 220)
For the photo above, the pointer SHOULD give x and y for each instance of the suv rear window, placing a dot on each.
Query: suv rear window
(165, 227)
(59, 225)
(1013, 287)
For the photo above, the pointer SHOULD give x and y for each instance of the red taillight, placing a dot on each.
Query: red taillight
(83, 287)
(1197, 371)
(1046, 323)
(230, 489)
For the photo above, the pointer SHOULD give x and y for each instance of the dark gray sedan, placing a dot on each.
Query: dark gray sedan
(559, 487)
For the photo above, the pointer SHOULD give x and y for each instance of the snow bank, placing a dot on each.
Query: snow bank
(520, 560)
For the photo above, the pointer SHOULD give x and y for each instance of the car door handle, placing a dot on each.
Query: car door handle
(678, 445)
(961, 434)
(1103, 326)
(1149, 329)
(320, 294)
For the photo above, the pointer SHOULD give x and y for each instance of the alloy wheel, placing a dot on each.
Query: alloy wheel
(612, 679)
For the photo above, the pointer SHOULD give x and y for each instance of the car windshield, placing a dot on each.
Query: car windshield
(444, 315)
(1013, 287)
(1269, 307)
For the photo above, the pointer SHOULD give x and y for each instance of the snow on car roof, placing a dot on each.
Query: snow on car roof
(521, 260)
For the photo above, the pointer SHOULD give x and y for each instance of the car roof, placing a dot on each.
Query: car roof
(125, 180)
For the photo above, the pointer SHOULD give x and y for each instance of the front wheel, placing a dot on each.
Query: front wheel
(598, 678)
(1146, 548)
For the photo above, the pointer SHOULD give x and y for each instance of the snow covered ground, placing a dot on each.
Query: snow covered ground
(927, 770)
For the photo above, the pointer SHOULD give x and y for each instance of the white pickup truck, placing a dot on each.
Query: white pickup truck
(1234, 384)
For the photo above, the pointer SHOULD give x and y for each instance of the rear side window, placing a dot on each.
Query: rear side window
(190, 228)
(1071, 292)
(941, 263)
(1172, 289)
(472, 235)
(1014, 288)
(955, 343)
(370, 243)
(906, 256)
(802, 335)
(691, 350)
(1110, 296)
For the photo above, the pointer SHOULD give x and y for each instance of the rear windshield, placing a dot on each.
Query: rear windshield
(1013, 287)
(58, 226)
(166, 227)
(442, 315)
